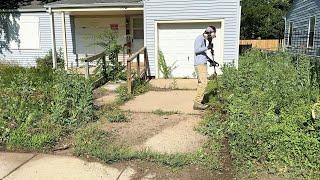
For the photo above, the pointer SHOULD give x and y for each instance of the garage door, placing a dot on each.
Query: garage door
(176, 41)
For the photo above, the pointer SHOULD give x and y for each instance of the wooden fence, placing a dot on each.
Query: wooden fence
(269, 44)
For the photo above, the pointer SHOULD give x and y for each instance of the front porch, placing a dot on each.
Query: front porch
(80, 36)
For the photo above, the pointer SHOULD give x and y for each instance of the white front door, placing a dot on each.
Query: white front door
(176, 41)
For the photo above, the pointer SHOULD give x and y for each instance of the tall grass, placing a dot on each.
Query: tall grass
(38, 106)
(267, 105)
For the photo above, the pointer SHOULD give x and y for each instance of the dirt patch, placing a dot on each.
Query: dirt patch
(141, 126)
(226, 160)
(147, 170)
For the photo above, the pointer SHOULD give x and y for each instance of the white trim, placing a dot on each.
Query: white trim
(53, 40)
(236, 61)
(97, 9)
(65, 43)
(145, 26)
(156, 37)
(285, 30)
(309, 30)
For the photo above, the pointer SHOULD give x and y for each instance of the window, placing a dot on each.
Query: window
(29, 33)
(311, 33)
(290, 33)
(137, 27)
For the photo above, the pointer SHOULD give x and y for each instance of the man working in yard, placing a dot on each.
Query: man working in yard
(201, 46)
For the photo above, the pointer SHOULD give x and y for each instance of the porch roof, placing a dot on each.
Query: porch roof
(94, 3)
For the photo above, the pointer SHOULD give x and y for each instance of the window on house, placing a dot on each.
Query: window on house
(290, 33)
(137, 26)
(29, 33)
(311, 33)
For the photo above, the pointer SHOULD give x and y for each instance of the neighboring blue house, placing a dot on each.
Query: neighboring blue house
(170, 26)
(303, 27)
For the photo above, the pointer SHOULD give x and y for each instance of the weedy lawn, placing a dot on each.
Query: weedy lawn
(264, 110)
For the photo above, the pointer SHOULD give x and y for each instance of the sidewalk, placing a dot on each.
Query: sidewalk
(37, 167)
(19, 166)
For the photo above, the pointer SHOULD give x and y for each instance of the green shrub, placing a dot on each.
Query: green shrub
(39, 105)
(112, 70)
(116, 116)
(46, 61)
(266, 105)
(164, 68)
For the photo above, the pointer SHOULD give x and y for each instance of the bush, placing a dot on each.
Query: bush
(46, 61)
(164, 68)
(38, 106)
(111, 70)
(268, 103)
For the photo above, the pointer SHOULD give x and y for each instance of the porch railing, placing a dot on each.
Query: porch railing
(87, 62)
(140, 73)
(132, 74)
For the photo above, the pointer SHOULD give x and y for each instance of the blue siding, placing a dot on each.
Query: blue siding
(229, 10)
(299, 15)
(28, 58)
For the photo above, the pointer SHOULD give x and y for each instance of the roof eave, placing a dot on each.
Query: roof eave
(33, 10)
(97, 5)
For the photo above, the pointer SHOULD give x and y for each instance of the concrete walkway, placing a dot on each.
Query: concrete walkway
(38, 167)
(171, 101)
(181, 138)
(19, 166)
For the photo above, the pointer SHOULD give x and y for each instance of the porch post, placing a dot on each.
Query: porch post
(65, 44)
(53, 40)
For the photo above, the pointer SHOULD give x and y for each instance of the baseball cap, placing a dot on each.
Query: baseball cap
(209, 30)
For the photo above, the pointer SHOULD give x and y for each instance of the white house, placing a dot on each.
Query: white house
(167, 25)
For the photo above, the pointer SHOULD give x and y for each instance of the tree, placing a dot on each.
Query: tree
(9, 27)
(263, 18)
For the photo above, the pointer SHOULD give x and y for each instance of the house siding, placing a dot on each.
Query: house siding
(27, 58)
(299, 15)
(166, 10)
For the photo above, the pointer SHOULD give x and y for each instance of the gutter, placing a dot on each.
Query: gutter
(93, 5)
(32, 10)
(23, 10)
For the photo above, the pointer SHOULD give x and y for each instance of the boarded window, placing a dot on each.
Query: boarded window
(29, 34)
(311, 33)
